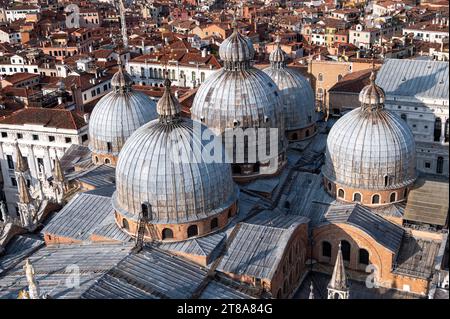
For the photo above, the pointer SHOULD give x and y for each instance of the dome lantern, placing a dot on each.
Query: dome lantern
(168, 107)
(372, 96)
(277, 57)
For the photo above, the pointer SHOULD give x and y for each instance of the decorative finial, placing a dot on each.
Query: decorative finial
(58, 171)
(33, 289)
(21, 163)
(168, 107)
(24, 193)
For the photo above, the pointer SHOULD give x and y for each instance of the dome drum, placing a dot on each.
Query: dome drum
(302, 133)
(367, 197)
(372, 151)
(169, 232)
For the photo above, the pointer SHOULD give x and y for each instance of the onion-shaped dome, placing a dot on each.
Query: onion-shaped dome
(371, 147)
(179, 189)
(236, 51)
(239, 95)
(296, 92)
(117, 115)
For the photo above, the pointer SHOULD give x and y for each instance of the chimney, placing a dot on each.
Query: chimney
(86, 117)
(357, 54)
(204, 53)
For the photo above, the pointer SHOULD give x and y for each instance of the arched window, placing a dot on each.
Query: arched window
(363, 257)
(96, 159)
(393, 197)
(329, 187)
(339, 77)
(307, 133)
(167, 233)
(230, 213)
(386, 180)
(440, 165)
(345, 248)
(192, 231)
(294, 136)
(376, 199)
(125, 224)
(326, 249)
(107, 161)
(357, 197)
(341, 193)
(214, 223)
(437, 129)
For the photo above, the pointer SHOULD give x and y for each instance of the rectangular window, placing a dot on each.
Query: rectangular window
(427, 165)
(68, 140)
(4, 134)
(84, 137)
(19, 136)
(13, 181)
(35, 137)
(10, 161)
(51, 138)
(40, 162)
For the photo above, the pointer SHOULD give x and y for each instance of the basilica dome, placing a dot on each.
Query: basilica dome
(370, 156)
(241, 96)
(297, 96)
(183, 196)
(116, 116)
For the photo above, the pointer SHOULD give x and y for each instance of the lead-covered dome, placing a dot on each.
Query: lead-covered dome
(240, 96)
(180, 191)
(116, 116)
(296, 93)
(371, 148)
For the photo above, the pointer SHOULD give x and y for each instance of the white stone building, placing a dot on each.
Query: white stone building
(418, 91)
(42, 135)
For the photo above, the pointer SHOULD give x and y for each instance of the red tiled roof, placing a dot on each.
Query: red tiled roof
(55, 118)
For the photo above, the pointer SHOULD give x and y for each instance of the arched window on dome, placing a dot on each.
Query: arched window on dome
(341, 193)
(230, 213)
(214, 223)
(192, 231)
(357, 197)
(329, 186)
(96, 159)
(393, 197)
(376, 199)
(363, 257)
(386, 180)
(294, 136)
(167, 233)
(107, 161)
(125, 224)
(146, 210)
(339, 77)
(346, 250)
(326, 249)
(307, 133)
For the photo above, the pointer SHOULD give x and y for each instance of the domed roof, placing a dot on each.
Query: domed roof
(118, 114)
(371, 148)
(179, 190)
(296, 92)
(238, 95)
(236, 48)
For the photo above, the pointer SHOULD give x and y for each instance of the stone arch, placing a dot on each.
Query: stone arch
(214, 223)
(167, 233)
(357, 197)
(393, 197)
(375, 198)
(192, 231)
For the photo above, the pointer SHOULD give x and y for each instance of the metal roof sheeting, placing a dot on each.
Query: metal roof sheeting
(384, 232)
(55, 266)
(414, 78)
(81, 217)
